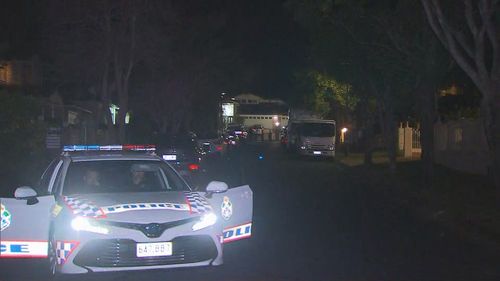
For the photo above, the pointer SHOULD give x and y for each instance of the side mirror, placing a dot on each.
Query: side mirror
(26, 193)
(216, 187)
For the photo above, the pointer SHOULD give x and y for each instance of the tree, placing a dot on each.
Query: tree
(22, 138)
(96, 45)
(349, 43)
(470, 33)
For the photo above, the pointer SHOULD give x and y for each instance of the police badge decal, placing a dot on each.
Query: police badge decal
(226, 208)
(5, 217)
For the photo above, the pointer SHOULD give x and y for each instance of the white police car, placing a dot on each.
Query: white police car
(106, 208)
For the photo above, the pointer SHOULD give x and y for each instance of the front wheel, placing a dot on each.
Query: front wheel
(52, 258)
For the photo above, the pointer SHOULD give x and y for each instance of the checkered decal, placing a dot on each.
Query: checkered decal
(63, 250)
(84, 208)
(197, 203)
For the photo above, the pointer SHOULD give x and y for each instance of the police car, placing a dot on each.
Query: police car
(106, 208)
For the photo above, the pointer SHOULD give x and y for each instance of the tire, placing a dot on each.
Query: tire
(52, 259)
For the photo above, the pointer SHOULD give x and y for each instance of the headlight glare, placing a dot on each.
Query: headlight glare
(85, 224)
(205, 221)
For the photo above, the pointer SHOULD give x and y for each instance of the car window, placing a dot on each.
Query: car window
(317, 129)
(43, 184)
(110, 176)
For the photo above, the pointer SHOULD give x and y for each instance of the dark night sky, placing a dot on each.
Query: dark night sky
(263, 33)
(271, 42)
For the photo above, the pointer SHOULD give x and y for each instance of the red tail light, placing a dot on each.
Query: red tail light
(218, 148)
(193, 167)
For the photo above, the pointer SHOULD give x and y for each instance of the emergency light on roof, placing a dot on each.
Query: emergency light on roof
(125, 147)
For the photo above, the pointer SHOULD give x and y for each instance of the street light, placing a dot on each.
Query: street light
(342, 135)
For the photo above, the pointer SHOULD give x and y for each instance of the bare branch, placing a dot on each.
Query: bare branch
(486, 11)
(439, 24)
(480, 47)
(463, 43)
(132, 47)
(431, 18)
(469, 16)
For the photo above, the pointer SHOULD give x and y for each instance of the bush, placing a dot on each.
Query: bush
(22, 141)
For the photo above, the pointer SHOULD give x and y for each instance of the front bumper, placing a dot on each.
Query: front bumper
(318, 153)
(117, 250)
(118, 253)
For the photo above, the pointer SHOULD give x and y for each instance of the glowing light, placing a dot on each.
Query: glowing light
(193, 167)
(128, 147)
(84, 224)
(205, 221)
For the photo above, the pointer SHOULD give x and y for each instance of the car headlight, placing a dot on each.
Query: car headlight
(205, 221)
(303, 147)
(331, 147)
(85, 224)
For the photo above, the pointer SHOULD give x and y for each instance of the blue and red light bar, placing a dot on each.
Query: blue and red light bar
(125, 147)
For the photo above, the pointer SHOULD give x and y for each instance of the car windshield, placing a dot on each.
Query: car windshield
(317, 129)
(110, 176)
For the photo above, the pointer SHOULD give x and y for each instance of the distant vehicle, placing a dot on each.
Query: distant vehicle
(211, 144)
(182, 152)
(314, 137)
(238, 131)
(257, 129)
(256, 132)
(113, 208)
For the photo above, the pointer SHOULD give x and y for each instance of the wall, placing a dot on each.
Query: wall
(267, 121)
(461, 145)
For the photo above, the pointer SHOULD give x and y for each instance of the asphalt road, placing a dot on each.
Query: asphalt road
(313, 223)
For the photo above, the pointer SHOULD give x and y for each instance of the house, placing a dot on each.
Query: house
(20, 73)
(268, 115)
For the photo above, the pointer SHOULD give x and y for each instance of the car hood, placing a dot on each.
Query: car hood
(138, 207)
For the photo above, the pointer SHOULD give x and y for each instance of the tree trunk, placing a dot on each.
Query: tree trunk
(391, 141)
(389, 128)
(490, 114)
(368, 143)
(427, 117)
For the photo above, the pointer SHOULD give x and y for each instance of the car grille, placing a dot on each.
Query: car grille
(319, 147)
(122, 252)
(151, 230)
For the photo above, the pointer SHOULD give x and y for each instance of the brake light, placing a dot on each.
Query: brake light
(218, 148)
(193, 167)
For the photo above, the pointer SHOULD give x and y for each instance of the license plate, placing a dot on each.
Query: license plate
(154, 249)
(170, 157)
(317, 152)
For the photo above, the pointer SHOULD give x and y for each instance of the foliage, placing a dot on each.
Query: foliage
(22, 144)
(329, 94)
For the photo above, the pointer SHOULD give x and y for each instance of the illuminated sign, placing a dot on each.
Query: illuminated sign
(228, 109)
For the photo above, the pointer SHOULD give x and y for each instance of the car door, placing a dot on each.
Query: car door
(25, 227)
(235, 208)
